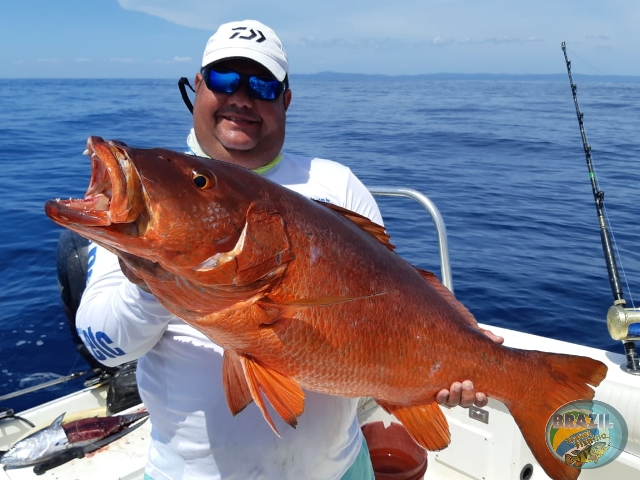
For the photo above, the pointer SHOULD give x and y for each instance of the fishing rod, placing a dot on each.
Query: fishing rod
(623, 323)
(50, 383)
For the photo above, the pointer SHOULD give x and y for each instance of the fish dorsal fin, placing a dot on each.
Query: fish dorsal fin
(235, 383)
(284, 394)
(58, 421)
(449, 297)
(378, 231)
(426, 423)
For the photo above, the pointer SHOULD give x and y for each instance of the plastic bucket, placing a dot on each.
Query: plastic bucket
(394, 454)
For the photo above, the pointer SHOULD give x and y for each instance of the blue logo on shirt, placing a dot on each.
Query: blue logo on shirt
(91, 259)
(99, 344)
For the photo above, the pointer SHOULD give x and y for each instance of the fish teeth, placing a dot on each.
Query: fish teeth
(86, 151)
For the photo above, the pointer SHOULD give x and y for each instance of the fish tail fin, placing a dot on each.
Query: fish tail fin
(563, 379)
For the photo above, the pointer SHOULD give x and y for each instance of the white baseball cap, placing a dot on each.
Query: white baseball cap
(248, 39)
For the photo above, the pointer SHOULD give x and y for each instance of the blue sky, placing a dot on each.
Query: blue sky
(165, 38)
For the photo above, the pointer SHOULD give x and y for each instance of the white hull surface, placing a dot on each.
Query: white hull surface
(484, 451)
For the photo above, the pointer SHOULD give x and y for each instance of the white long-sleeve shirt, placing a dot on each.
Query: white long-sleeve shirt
(194, 436)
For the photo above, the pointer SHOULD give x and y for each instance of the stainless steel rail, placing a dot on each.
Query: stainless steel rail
(438, 222)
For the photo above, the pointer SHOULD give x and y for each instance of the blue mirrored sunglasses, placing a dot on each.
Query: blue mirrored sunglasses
(229, 82)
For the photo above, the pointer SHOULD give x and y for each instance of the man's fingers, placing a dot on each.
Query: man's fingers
(481, 400)
(462, 394)
(495, 338)
(468, 395)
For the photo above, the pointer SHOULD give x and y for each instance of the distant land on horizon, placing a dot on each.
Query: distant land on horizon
(466, 76)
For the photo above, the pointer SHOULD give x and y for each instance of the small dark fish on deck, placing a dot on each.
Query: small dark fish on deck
(65, 441)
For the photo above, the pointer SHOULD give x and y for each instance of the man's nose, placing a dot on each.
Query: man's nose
(241, 97)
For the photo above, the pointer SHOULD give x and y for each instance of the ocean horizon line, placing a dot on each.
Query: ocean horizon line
(330, 75)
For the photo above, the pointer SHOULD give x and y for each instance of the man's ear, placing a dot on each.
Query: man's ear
(287, 98)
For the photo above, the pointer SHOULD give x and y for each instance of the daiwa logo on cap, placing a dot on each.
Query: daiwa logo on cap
(586, 434)
(250, 36)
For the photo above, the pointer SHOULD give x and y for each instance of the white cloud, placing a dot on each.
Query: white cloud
(460, 34)
(122, 60)
(175, 60)
(83, 60)
(598, 37)
(359, 21)
(442, 42)
(48, 60)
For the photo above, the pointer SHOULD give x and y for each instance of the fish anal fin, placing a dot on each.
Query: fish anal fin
(284, 394)
(372, 228)
(425, 423)
(235, 384)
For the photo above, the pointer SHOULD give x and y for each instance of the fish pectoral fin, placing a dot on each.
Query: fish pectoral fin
(426, 423)
(234, 382)
(284, 394)
(261, 254)
(266, 248)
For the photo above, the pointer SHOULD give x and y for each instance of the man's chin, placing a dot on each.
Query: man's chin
(238, 142)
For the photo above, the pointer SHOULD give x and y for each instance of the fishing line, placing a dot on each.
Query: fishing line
(615, 246)
(573, 53)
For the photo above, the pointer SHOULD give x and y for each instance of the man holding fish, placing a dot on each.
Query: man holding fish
(242, 95)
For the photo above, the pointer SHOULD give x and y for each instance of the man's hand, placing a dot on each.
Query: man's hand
(463, 394)
(132, 277)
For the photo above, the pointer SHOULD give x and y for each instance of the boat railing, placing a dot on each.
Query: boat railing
(438, 222)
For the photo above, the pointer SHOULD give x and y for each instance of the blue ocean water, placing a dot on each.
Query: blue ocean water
(501, 158)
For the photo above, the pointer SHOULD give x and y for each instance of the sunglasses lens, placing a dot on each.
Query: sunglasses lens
(264, 88)
(223, 82)
(229, 82)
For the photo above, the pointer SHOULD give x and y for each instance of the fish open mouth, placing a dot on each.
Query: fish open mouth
(114, 194)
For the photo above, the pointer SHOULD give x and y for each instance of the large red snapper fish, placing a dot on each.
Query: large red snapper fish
(304, 295)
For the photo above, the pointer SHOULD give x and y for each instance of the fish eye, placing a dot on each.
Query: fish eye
(203, 180)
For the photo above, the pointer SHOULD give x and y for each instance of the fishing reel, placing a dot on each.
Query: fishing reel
(623, 323)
